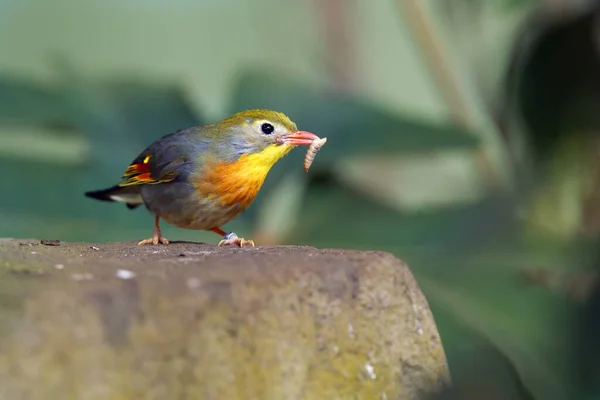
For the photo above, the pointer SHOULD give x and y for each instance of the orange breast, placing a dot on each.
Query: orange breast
(239, 182)
(228, 184)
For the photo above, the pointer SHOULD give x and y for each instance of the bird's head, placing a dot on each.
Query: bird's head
(264, 134)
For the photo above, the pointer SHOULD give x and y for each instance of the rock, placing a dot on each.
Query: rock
(196, 321)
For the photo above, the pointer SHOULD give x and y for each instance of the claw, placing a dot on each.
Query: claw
(157, 236)
(232, 238)
(154, 240)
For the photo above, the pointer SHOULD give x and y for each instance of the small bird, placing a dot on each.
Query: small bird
(204, 176)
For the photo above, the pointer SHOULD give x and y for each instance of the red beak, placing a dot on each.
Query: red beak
(299, 138)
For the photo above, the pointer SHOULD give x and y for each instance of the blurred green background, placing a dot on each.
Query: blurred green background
(461, 139)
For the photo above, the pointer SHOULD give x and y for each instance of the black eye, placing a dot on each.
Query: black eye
(267, 128)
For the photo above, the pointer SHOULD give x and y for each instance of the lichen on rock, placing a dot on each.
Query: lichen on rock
(194, 321)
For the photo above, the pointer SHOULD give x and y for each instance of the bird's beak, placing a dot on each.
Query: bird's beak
(299, 138)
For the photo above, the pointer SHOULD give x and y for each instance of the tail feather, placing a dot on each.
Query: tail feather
(129, 195)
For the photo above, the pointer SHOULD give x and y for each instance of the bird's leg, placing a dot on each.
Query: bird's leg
(231, 238)
(157, 237)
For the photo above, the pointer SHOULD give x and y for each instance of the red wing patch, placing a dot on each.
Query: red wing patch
(136, 169)
(139, 173)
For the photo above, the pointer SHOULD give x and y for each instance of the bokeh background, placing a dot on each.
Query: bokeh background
(462, 138)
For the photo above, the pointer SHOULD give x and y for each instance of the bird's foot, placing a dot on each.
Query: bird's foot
(155, 239)
(232, 238)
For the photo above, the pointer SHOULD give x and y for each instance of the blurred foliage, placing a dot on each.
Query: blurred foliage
(468, 257)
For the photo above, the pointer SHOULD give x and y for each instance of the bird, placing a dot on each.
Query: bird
(204, 176)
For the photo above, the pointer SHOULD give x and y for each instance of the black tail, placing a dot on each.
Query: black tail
(129, 195)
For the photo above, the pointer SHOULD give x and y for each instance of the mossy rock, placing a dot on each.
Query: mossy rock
(195, 321)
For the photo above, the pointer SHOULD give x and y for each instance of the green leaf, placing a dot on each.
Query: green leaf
(117, 119)
(353, 126)
(23, 102)
(477, 367)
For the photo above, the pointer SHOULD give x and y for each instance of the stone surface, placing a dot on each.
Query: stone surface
(194, 321)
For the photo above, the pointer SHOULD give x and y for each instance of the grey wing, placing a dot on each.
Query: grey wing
(169, 158)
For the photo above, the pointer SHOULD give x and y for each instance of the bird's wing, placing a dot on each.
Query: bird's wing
(165, 160)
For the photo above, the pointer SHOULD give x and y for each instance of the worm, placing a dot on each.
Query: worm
(314, 147)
